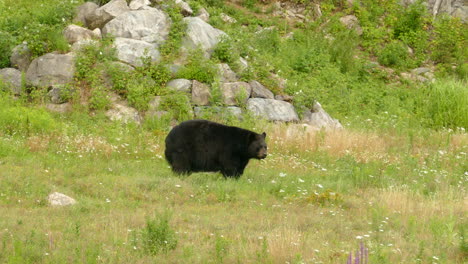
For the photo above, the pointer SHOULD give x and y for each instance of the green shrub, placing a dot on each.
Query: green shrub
(139, 92)
(412, 19)
(198, 68)
(394, 54)
(225, 51)
(99, 99)
(178, 104)
(158, 236)
(448, 104)
(171, 46)
(450, 40)
(158, 72)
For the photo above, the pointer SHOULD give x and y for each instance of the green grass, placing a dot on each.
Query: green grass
(310, 200)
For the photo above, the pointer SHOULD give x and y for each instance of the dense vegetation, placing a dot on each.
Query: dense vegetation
(395, 178)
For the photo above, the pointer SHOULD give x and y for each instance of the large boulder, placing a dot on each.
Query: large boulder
(351, 22)
(226, 74)
(51, 69)
(83, 11)
(120, 111)
(11, 78)
(106, 13)
(150, 25)
(318, 118)
(137, 4)
(200, 93)
(235, 91)
(201, 34)
(74, 33)
(272, 110)
(21, 57)
(184, 8)
(223, 113)
(132, 51)
(259, 91)
(180, 85)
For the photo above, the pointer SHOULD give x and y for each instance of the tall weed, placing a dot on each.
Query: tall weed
(448, 104)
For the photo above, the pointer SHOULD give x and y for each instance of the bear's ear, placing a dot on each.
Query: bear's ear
(264, 135)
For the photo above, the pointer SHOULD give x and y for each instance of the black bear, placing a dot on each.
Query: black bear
(201, 145)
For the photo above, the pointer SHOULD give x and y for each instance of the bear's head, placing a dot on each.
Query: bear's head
(257, 146)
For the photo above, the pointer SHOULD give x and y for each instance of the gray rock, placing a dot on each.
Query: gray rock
(351, 22)
(150, 25)
(235, 91)
(83, 11)
(132, 51)
(51, 69)
(77, 46)
(259, 91)
(12, 79)
(203, 14)
(184, 8)
(59, 108)
(120, 111)
(284, 97)
(227, 18)
(221, 112)
(74, 33)
(318, 118)
(419, 71)
(137, 4)
(272, 110)
(21, 57)
(181, 85)
(226, 74)
(60, 199)
(200, 93)
(106, 13)
(58, 94)
(201, 34)
(243, 64)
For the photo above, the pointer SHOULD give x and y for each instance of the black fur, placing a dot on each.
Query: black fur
(201, 145)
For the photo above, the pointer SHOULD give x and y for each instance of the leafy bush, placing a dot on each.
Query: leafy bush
(225, 51)
(394, 54)
(411, 19)
(158, 236)
(198, 68)
(450, 40)
(171, 46)
(178, 104)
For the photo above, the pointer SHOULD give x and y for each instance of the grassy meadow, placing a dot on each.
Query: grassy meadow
(315, 198)
(393, 181)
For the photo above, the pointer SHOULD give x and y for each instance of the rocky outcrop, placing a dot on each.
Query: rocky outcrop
(11, 78)
(235, 93)
(132, 51)
(120, 111)
(259, 91)
(318, 118)
(51, 69)
(106, 13)
(150, 25)
(273, 110)
(201, 34)
(200, 93)
(180, 85)
(74, 33)
(21, 57)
